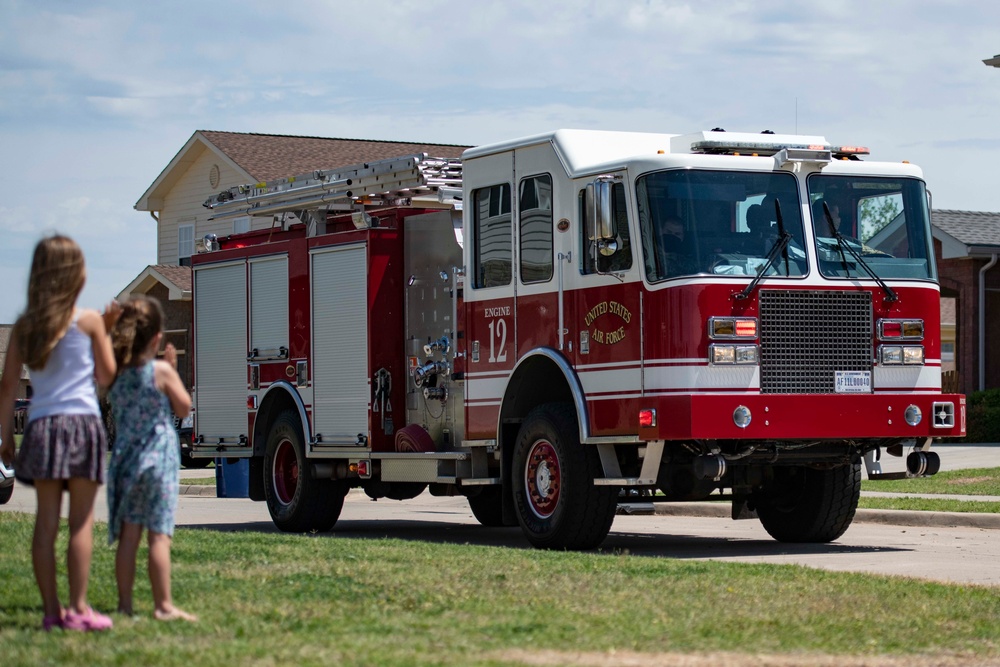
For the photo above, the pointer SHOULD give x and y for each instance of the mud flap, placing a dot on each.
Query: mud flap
(741, 510)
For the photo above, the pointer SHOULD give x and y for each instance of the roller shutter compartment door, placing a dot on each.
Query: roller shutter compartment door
(220, 305)
(269, 304)
(340, 345)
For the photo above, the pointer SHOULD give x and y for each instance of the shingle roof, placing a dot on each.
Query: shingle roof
(973, 228)
(271, 156)
(178, 275)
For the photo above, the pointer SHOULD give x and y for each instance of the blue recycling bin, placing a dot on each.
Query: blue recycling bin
(232, 478)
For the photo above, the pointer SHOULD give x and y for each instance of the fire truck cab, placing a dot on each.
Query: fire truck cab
(552, 322)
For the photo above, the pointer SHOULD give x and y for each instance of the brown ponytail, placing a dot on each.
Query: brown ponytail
(140, 321)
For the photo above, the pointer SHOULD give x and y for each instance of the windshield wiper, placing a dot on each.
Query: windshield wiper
(780, 245)
(890, 295)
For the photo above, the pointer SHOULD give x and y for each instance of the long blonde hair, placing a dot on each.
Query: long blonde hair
(56, 279)
(140, 321)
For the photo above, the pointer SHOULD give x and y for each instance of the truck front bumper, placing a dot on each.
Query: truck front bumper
(749, 416)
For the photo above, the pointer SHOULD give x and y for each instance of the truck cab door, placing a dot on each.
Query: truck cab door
(489, 289)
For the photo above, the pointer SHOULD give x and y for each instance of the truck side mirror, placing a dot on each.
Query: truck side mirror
(601, 225)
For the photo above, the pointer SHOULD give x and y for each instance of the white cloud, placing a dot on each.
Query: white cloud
(98, 97)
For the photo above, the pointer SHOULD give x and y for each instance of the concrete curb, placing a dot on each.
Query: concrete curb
(888, 517)
(198, 490)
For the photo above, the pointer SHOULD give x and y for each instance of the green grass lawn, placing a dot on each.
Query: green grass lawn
(973, 482)
(275, 599)
(928, 505)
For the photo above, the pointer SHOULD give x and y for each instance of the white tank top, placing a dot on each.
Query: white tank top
(66, 385)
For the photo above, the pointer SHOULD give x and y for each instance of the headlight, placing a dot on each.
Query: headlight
(732, 354)
(898, 355)
(913, 354)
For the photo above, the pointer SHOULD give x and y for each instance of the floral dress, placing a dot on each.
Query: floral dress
(143, 476)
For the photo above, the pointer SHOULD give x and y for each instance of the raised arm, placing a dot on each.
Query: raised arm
(169, 382)
(94, 324)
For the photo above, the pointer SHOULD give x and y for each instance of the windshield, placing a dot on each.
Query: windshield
(718, 222)
(883, 219)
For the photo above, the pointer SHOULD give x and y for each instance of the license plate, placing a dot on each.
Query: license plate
(853, 382)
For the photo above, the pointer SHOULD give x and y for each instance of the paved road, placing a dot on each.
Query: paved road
(966, 555)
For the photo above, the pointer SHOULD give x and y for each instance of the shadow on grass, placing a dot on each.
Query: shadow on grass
(655, 545)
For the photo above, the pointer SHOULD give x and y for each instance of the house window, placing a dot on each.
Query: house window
(185, 241)
(241, 225)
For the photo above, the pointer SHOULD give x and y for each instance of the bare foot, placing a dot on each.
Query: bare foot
(125, 611)
(174, 614)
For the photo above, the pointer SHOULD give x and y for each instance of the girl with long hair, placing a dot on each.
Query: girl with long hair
(64, 444)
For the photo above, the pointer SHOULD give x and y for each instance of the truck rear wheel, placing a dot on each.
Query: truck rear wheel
(556, 501)
(6, 493)
(804, 504)
(297, 502)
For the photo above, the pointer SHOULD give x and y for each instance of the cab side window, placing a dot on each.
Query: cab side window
(493, 252)
(535, 228)
(621, 260)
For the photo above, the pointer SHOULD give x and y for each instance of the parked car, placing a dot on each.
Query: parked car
(6, 483)
(185, 427)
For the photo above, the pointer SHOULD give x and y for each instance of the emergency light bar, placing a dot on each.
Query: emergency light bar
(791, 147)
(748, 147)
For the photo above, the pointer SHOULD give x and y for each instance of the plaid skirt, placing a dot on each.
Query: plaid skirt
(63, 447)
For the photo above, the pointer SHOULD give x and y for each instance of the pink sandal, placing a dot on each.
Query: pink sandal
(88, 621)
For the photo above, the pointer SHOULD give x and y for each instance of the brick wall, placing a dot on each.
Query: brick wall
(178, 317)
(960, 279)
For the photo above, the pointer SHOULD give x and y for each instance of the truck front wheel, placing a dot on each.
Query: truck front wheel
(805, 504)
(297, 502)
(556, 501)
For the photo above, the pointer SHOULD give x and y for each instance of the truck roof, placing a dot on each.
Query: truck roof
(585, 151)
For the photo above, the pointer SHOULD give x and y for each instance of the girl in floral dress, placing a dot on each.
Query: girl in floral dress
(143, 474)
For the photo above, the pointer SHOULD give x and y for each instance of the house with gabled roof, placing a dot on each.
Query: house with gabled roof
(212, 161)
(967, 247)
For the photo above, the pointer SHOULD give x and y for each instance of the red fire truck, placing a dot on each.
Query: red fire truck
(551, 324)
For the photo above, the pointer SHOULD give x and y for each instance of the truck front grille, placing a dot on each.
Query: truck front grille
(807, 335)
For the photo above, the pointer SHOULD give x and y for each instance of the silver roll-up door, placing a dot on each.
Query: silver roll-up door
(340, 345)
(220, 308)
(268, 304)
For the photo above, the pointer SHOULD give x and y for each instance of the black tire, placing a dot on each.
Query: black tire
(6, 493)
(804, 504)
(552, 478)
(487, 507)
(297, 502)
(188, 461)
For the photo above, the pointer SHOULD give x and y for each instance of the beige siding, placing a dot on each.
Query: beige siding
(183, 204)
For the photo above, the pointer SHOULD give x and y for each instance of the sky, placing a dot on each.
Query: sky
(97, 97)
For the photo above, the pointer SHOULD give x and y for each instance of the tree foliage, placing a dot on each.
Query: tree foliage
(876, 213)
